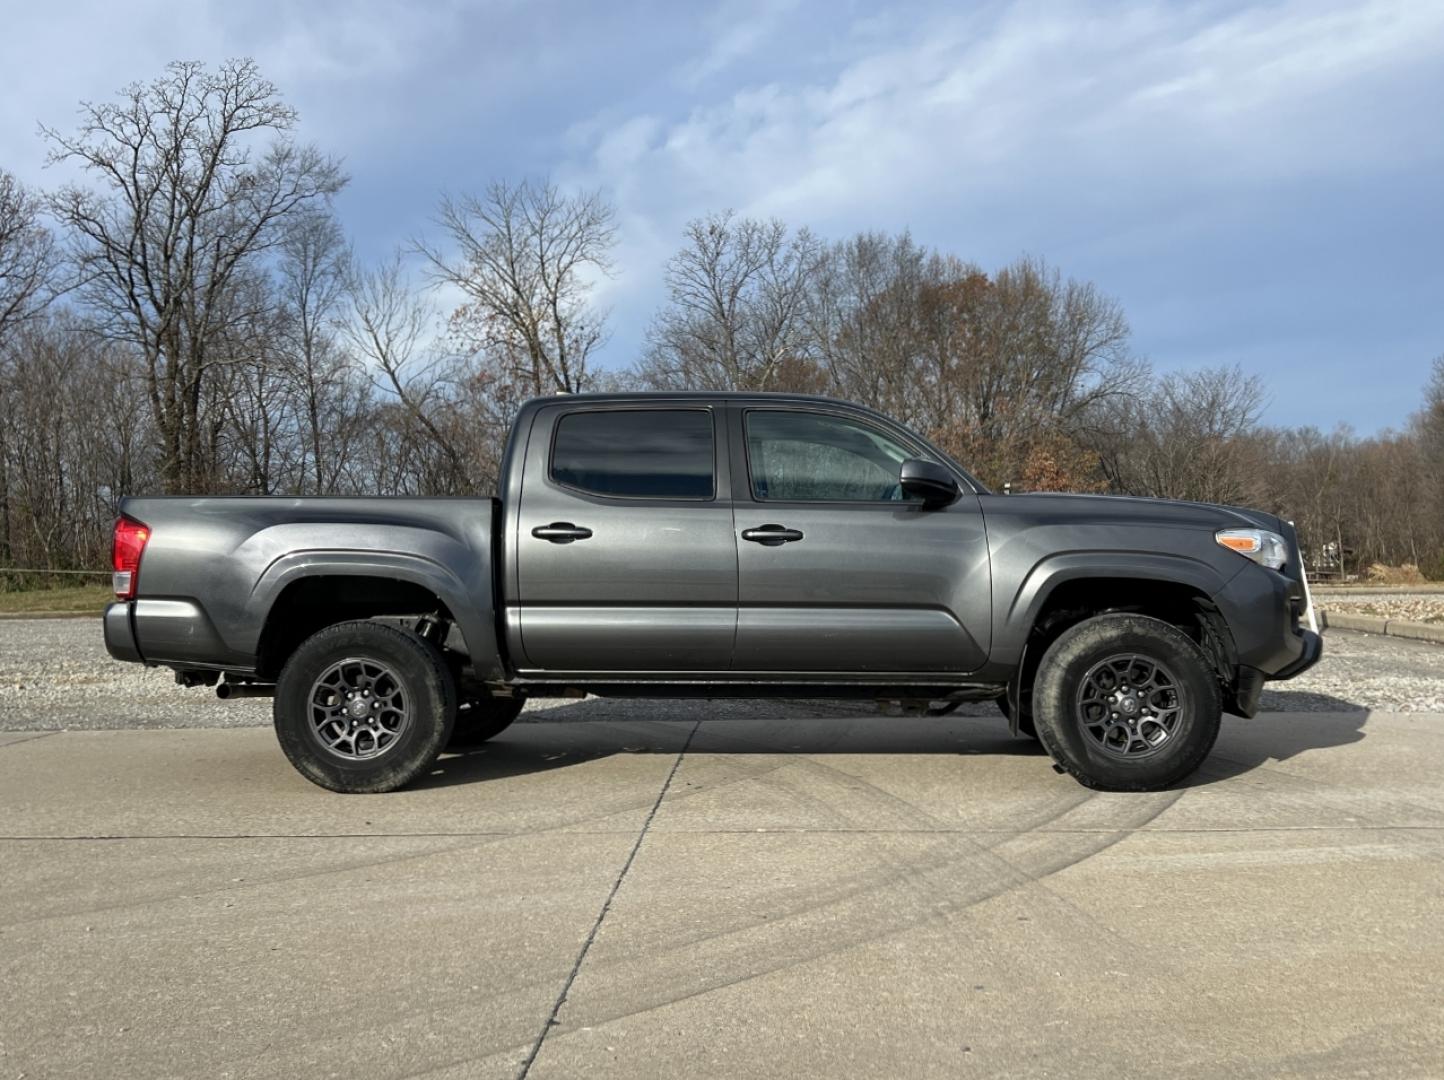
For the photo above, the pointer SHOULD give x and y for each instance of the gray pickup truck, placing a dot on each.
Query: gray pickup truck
(716, 545)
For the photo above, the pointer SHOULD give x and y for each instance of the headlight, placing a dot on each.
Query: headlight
(1263, 547)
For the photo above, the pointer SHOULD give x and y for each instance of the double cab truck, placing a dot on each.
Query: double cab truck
(716, 545)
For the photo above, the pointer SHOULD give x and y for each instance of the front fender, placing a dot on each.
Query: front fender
(1016, 615)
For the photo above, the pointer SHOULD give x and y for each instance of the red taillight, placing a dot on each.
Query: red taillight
(126, 548)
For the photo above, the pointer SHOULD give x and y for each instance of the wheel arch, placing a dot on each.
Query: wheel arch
(305, 592)
(1066, 590)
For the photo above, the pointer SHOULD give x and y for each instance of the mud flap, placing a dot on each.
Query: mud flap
(1242, 698)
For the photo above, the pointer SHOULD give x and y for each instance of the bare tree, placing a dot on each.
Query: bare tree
(250, 417)
(1430, 421)
(325, 382)
(391, 329)
(736, 316)
(1003, 370)
(1191, 435)
(186, 205)
(27, 265)
(524, 257)
(67, 444)
(27, 255)
(863, 318)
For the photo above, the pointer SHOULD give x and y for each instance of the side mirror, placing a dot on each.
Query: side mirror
(929, 481)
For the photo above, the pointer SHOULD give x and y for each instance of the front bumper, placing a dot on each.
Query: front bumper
(1265, 612)
(1313, 651)
(1243, 696)
(1267, 615)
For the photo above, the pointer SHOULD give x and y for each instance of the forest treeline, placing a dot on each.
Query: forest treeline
(188, 316)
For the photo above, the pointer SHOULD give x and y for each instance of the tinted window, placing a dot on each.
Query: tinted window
(640, 453)
(816, 458)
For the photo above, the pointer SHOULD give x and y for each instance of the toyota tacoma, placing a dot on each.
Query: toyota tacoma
(716, 545)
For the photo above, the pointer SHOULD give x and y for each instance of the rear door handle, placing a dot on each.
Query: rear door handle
(771, 535)
(561, 532)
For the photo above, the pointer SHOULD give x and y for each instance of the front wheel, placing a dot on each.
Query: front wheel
(363, 707)
(1126, 703)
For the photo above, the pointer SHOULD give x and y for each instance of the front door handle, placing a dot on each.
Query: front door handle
(772, 535)
(561, 532)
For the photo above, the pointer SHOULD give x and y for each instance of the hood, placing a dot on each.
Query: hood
(1136, 509)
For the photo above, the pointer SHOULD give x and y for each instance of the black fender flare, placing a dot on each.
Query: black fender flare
(1016, 615)
(470, 602)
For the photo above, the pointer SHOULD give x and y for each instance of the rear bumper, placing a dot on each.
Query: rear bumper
(176, 633)
(119, 624)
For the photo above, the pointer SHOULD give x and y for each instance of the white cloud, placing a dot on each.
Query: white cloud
(334, 60)
(973, 101)
(1028, 126)
(1131, 143)
(736, 29)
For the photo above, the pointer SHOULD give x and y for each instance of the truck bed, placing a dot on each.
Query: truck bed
(215, 567)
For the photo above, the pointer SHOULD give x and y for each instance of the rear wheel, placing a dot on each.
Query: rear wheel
(362, 707)
(1126, 703)
(479, 719)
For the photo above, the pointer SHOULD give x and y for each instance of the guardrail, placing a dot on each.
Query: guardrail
(37, 570)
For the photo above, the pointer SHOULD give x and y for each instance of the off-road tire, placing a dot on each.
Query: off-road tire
(480, 719)
(418, 669)
(1063, 732)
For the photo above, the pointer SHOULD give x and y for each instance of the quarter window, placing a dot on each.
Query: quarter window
(636, 453)
(813, 457)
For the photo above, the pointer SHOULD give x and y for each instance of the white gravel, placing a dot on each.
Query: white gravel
(55, 675)
(1425, 607)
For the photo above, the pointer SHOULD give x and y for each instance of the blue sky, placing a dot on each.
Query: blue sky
(1259, 184)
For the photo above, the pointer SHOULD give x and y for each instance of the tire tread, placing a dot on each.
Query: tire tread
(1052, 707)
(390, 772)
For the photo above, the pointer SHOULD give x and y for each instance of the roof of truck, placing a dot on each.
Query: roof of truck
(696, 395)
(770, 396)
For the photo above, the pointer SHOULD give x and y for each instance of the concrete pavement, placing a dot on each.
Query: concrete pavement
(842, 896)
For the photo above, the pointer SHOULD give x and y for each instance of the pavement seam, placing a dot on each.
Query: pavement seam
(561, 1000)
(33, 738)
(775, 831)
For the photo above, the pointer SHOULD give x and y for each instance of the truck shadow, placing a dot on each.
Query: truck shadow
(572, 734)
(1294, 721)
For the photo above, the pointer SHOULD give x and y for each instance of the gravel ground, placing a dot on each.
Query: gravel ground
(1425, 607)
(55, 675)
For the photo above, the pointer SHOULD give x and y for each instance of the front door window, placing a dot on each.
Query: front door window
(812, 457)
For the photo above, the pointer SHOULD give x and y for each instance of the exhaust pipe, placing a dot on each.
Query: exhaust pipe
(227, 690)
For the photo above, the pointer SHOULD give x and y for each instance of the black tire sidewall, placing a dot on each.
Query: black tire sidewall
(1055, 694)
(428, 684)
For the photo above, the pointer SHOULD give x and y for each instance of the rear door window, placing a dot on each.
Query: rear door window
(636, 453)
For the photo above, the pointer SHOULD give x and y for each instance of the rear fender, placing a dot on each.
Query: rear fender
(469, 601)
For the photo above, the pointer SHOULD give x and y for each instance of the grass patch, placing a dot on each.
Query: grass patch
(73, 598)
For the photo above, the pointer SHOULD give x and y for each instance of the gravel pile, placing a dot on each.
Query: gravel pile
(55, 675)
